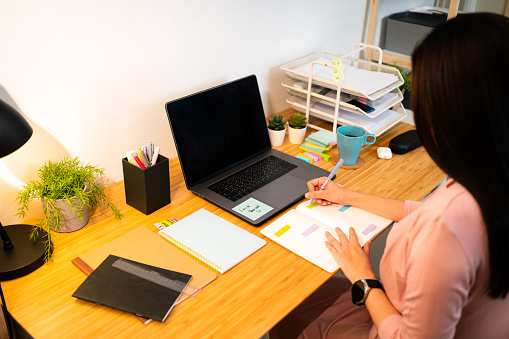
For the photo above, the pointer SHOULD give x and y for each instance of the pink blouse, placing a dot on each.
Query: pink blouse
(435, 271)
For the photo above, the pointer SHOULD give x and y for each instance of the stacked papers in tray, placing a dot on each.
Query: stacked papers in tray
(376, 125)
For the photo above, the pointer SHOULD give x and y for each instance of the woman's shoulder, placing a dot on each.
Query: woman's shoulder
(459, 210)
(454, 212)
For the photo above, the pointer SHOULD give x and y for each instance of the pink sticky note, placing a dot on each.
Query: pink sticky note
(320, 158)
(312, 156)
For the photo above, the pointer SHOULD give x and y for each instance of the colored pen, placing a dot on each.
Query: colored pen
(139, 162)
(131, 159)
(332, 173)
(150, 150)
(156, 154)
(145, 151)
(142, 157)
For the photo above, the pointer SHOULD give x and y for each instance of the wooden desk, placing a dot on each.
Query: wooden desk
(244, 303)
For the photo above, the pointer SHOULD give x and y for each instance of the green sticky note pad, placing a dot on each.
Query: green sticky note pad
(338, 62)
(252, 208)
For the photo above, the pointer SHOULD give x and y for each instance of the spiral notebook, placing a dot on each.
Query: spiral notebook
(212, 240)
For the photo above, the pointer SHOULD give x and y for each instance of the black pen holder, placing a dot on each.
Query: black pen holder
(148, 189)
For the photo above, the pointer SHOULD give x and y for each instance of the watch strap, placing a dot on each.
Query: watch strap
(373, 283)
(359, 295)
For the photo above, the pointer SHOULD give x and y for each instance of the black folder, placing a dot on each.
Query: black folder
(133, 287)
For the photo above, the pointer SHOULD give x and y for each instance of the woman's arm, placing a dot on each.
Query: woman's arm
(355, 264)
(332, 193)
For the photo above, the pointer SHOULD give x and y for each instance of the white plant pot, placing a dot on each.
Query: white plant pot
(277, 137)
(296, 135)
(70, 221)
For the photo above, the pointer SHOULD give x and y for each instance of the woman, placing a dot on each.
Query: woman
(445, 269)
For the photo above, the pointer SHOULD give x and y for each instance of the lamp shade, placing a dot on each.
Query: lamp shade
(20, 255)
(14, 130)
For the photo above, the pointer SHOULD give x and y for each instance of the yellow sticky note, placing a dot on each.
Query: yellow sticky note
(282, 231)
(167, 222)
(305, 156)
(338, 62)
(316, 146)
(310, 206)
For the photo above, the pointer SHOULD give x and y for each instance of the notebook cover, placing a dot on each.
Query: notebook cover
(212, 240)
(145, 246)
(133, 287)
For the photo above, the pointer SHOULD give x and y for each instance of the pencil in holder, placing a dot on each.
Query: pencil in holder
(148, 189)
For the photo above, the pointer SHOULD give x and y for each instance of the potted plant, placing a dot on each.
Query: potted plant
(66, 188)
(297, 128)
(277, 130)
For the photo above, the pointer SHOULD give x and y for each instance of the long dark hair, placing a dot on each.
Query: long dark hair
(460, 98)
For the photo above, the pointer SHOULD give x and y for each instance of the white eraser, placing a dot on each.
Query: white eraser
(384, 152)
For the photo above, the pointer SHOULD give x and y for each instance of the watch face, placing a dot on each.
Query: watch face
(357, 291)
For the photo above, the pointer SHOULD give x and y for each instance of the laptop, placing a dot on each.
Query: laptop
(226, 156)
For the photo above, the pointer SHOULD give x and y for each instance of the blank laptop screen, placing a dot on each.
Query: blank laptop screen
(218, 128)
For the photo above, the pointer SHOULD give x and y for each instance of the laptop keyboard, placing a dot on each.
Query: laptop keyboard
(251, 178)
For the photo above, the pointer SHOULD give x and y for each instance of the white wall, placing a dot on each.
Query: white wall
(92, 77)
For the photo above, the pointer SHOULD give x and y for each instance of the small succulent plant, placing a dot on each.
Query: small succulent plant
(277, 123)
(297, 120)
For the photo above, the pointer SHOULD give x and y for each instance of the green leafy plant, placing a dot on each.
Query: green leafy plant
(68, 180)
(407, 79)
(277, 123)
(297, 120)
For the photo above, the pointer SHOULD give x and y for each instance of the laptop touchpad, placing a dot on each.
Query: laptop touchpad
(277, 192)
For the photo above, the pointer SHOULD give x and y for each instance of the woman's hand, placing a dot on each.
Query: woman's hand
(350, 256)
(332, 192)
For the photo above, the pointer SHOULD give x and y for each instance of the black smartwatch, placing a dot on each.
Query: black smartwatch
(361, 288)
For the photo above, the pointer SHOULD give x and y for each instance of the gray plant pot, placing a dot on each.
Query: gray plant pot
(70, 220)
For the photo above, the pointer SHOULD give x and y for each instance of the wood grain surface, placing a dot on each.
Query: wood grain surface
(243, 303)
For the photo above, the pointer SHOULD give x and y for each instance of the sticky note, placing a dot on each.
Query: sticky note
(310, 230)
(309, 144)
(167, 222)
(312, 156)
(326, 157)
(344, 208)
(322, 137)
(310, 206)
(303, 158)
(338, 62)
(323, 155)
(318, 156)
(282, 231)
(252, 208)
(369, 229)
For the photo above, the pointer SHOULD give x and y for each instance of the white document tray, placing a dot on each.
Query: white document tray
(323, 76)
(295, 87)
(377, 125)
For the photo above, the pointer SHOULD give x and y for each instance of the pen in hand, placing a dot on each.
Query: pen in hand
(332, 173)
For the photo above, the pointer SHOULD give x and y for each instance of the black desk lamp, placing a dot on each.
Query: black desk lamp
(20, 255)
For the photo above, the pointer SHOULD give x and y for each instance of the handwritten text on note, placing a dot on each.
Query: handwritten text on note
(252, 208)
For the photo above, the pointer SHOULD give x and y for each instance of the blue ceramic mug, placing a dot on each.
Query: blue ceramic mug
(350, 141)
